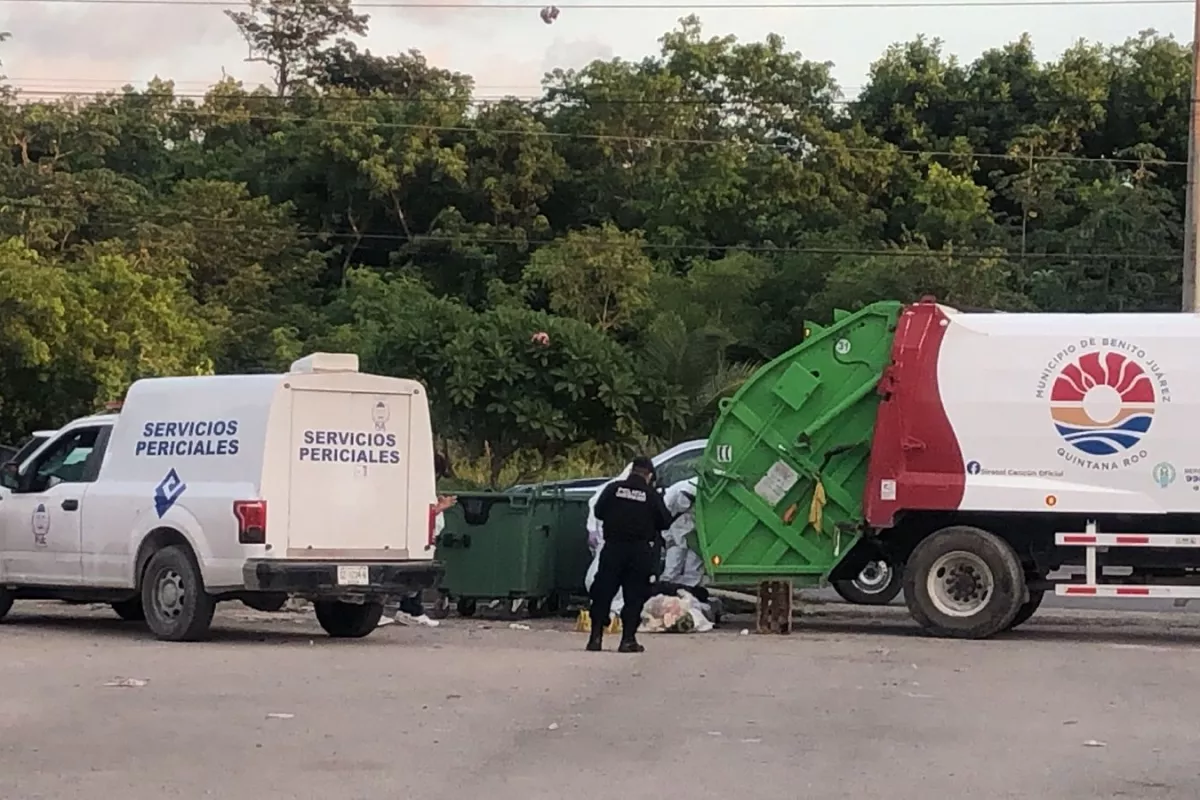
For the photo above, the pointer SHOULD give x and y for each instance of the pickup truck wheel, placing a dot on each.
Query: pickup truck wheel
(1027, 609)
(964, 583)
(877, 585)
(6, 602)
(130, 610)
(348, 620)
(178, 609)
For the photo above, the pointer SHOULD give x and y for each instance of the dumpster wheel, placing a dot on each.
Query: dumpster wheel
(466, 606)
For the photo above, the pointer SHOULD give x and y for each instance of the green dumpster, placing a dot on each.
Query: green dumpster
(529, 545)
(571, 554)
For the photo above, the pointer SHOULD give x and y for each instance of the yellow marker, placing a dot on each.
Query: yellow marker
(583, 623)
(716, 561)
(1051, 500)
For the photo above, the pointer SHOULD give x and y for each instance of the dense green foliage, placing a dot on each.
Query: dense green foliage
(668, 223)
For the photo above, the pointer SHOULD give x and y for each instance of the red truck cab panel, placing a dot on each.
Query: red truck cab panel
(915, 459)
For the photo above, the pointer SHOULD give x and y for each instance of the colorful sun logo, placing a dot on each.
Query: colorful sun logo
(1103, 403)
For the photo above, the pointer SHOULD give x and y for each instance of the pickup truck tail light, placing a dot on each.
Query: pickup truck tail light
(252, 521)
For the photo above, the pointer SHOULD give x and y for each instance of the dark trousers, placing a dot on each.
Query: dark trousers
(627, 566)
(411, 604)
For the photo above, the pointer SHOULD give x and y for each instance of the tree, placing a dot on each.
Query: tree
(599, 276)
(494, 388)
(670, 221)
(289, 34)
(75, 334)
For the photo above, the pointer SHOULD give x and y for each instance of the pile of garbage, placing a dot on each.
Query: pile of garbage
(678, 613)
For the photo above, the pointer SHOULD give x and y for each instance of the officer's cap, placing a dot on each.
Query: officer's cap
(643, 464)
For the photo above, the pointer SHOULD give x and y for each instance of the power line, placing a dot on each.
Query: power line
(837, 4)
(250, 99)
(567, 97)
(665, 140)
(234, 229)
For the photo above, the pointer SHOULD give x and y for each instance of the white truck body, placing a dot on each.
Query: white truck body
(1096, 413)
(319, 482)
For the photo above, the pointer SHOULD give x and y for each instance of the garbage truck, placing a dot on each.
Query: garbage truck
(982, 455)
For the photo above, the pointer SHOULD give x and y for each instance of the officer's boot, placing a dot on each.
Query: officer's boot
(596, 640)
(629, 644)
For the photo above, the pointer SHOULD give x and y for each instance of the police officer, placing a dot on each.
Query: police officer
(634, 517)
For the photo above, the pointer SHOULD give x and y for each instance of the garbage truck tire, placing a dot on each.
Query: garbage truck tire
(1027, 609)
(964, 583)
(877, 585)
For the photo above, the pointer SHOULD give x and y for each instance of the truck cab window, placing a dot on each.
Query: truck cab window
(66, 461)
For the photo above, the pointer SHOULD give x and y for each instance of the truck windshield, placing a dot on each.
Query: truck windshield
(33, 443)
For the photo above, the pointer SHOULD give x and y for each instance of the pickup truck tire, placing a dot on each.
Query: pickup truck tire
(1027, 609)
(877, 585)
(6, 602)
(348, 620)
(178, 609)
(964, 583)
(130, 610)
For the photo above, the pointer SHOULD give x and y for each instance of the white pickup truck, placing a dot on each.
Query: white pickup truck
(162, 509)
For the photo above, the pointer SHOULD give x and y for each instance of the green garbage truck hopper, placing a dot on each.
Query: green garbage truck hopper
(781, 485)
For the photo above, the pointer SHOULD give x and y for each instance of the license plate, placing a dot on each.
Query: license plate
(353, 576)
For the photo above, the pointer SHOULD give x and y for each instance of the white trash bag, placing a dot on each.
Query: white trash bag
(678, 613)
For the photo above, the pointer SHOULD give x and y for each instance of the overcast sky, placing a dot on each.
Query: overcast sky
(63, 47)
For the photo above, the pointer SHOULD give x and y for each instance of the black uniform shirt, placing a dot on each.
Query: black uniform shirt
(632, 511)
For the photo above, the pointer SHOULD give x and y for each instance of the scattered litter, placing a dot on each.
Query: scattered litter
(916, 696)
(883, 651)
(1094, 743)
(454, 697)
(520, 626)
(715, 733)
(744, 632)
(751, 741)
(128, 683)
(280, 715)
(553, 726)
(1070, 722)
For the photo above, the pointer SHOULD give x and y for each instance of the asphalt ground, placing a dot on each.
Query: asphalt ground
(856, 703)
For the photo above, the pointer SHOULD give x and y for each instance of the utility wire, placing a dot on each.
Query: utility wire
(836, 4)
(660, 140)
(567, 96)
(231, 228)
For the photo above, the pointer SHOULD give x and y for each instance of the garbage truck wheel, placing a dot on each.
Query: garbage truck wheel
(877, 585)
(964, 583)
(1027, 609)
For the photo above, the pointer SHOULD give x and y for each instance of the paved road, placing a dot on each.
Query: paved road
(856, 705)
